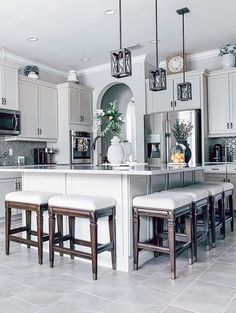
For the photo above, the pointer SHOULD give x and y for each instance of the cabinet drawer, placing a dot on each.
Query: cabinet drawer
(215, 170)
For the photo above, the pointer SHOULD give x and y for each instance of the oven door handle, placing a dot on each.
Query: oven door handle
(15, 122)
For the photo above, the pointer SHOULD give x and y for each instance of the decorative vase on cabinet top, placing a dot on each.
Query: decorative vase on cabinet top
(228, 60)
(115, 153)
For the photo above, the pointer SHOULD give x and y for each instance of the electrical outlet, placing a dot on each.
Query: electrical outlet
(10, 152)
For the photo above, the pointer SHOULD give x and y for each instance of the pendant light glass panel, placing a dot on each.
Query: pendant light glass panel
(184, 91)
(121, 65)
(157, 79)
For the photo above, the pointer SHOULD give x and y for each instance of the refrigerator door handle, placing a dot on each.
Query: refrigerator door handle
(167, 127)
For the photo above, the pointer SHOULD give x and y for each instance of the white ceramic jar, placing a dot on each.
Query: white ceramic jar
(115, 153)
(228, 60)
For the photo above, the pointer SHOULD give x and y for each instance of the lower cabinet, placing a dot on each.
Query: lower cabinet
(8, 185)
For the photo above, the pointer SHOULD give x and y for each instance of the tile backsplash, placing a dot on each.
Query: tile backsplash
(19, 148)
(230, 142)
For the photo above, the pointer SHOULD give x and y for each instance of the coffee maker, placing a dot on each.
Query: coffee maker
(217, 153)
(44, 156)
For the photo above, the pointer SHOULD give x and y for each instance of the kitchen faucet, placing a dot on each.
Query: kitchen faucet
(93, 147)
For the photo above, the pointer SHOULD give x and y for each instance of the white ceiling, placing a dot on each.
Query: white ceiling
(69, 30)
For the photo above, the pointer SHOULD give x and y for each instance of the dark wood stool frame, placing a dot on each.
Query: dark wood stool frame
(213, 200)
(228, 203)
(96, 247)
(157, 245)
(28, 208)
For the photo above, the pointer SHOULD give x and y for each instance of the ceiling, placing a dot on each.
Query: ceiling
(73, 29)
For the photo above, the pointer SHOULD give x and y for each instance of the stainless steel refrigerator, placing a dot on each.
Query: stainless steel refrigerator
(159, 138)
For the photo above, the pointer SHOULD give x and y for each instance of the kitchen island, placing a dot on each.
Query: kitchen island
(120, 183)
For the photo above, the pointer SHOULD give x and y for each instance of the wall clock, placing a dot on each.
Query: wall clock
(174, 64)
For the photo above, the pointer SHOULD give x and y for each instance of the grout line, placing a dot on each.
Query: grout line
(230, 302)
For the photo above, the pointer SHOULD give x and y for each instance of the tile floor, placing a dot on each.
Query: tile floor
(208, 286)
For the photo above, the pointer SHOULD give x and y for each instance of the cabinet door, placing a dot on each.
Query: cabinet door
(85, 108)
(195, 103)
(232, 108)
(218, 104)
(162, 101)
(47, 113)
(28, 101)
(2, 87)
(6, 186)
(11, 88)
(74, 103)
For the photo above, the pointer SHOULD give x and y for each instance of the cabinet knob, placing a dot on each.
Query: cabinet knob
(231, 125)
(228, 125)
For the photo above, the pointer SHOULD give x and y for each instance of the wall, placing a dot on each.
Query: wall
(19, 148)
(100, 80)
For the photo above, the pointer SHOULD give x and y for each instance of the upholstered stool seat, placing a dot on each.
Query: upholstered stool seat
(81, 206)
(160, 206)
(200, 207)
(29, 201)
(225, 185)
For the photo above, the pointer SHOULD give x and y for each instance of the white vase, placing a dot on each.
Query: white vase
(115, 153)
(33, 75)
(228, 60)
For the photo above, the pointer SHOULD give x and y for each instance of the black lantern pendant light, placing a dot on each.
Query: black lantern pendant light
(157, 76)
(184, 89)
(121, 65)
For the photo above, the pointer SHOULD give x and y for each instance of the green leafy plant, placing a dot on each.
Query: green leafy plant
(227, 49)
(109, 120)
(181, 130)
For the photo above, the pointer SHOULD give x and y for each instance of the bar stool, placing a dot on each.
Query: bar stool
(200, 207)
(228, 189)
(168, 206)
(80, 206)
(29, 201)
(215, 192)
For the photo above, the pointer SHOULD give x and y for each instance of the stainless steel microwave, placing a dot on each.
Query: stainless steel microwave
(9, 122)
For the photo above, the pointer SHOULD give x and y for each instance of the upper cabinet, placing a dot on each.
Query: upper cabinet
(38, 106)
(222, 103)
(9, 86)
(167, 100)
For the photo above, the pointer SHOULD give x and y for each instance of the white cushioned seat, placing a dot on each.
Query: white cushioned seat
(196, 194)
(162, 200)
(83, 202)
(210, 188)
(226, 185)
(30, 197)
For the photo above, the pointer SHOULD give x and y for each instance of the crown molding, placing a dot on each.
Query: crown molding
(25, 61)
(107, 66)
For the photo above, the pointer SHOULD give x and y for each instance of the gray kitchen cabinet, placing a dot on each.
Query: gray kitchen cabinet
(80, 105)
(9, 86)
(167, 100)
(8, 185)
(38, 106)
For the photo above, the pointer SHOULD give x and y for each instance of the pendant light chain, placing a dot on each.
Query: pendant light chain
(157, 52)
(184, 63)
(120, 24)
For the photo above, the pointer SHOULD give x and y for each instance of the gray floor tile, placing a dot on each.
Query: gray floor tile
(15, 305)
(78, 302)
(141, 299)
(205, 297)
(232, 307)
(174, 309)
(10, 288)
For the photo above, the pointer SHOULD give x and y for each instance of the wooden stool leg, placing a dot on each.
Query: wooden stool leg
(155, 234)
(112, 231)
(188, 223)
(221, 206)
(40, 234)
(28, 225)
(136, 226)
(160, 226)
(51, 236)
(72, 234)
(171, 239)
(206, 225)
(7, 228)
(213, 230)
(194, 226)
(93, 234)
(60, 230)
(231, 210)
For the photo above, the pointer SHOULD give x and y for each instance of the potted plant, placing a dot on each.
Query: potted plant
(181, 130)
(227, 54)
(31, 71)
(111, 120)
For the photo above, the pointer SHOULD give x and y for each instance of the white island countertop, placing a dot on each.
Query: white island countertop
(102, 170)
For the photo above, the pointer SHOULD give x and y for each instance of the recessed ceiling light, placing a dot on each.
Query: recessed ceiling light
(85, 59)
(109, 11)
(32, 38)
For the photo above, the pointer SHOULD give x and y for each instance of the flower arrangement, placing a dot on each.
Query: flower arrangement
(31, 68)
(111, 120)
(228, 49)
(181, 130)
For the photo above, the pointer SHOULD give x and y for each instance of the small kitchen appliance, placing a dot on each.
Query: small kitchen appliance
(44, 156)
(9, 121)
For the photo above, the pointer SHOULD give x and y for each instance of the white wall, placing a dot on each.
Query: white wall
(100, 80)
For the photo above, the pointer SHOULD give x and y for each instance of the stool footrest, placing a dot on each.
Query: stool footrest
(105, 247)
(24, 241)
(61, 239)
(146, 246)
(77, 253)
(18, 230)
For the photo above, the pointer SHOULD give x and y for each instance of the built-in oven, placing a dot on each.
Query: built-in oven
(9, 122)
(80, 147)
